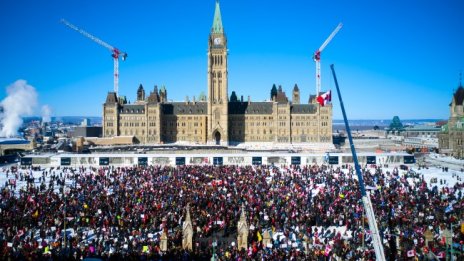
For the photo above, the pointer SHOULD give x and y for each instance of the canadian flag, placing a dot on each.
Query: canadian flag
(441, 254)
(327, 250)
(324, 98)
(411, 253)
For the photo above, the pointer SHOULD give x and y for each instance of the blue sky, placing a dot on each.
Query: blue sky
(391, 57)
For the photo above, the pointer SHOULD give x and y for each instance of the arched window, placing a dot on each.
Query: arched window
(219, 87)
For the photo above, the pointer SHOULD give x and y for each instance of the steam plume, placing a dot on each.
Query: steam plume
(46, 113)
(20, 101)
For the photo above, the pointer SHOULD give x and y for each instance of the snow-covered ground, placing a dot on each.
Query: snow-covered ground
(447, 159)
(6, 176)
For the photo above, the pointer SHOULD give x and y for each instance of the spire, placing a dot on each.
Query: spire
(242, 215)
(217, 22)
(187, 216)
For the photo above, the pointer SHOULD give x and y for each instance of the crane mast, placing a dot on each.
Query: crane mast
(317, 57)
(115, 52)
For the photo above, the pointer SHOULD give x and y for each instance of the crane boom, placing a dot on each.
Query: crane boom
(377, 241)
(317, 57)
(331, 36)
(115, 52)
(86, 34)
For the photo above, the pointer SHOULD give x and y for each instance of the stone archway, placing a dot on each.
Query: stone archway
(217, 137)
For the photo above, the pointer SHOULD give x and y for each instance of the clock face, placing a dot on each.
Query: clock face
(217, 41)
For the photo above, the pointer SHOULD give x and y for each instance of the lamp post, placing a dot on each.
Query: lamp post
(451, 242)
(213, 258)
(214, 243)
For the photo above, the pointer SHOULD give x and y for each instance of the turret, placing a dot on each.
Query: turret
(140, 93)
(296, 95)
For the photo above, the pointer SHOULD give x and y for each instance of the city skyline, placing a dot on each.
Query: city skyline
(410, 52)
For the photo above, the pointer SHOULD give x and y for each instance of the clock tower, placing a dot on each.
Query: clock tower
(217, 83)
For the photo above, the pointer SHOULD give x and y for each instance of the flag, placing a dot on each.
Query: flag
(260, 238)
(411, 253)
(327, 250)
(145, 249)
(449, 208)
(35, 214)
(20, 233)
(441, 254)
(324, 98)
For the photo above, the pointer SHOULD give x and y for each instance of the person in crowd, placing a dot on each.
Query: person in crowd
(311, 212)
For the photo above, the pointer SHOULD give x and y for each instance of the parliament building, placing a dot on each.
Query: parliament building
(217, 119)
(451, 138)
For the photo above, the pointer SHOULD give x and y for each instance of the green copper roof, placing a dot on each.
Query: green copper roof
(444, 128)
(122, 99)
(217, 22)
(460, 124)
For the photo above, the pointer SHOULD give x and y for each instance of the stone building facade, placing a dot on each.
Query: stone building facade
(451, 138)
(216, 119)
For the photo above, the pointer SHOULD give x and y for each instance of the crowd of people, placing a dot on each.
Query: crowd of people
(311, 213)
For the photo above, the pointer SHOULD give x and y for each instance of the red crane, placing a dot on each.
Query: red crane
(115, 52)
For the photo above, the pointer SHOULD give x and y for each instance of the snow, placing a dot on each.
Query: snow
(447, 159)
(6, 175)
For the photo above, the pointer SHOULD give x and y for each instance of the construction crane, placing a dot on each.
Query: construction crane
(115, 52)
(317, 57)
(365, 197)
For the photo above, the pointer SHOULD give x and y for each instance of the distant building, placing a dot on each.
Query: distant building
(451, 138)
(215, 119)
(85, 122)
(421, 131)
(13, 145)
(86, 131)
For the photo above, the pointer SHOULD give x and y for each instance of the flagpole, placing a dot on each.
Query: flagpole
(378, 247)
